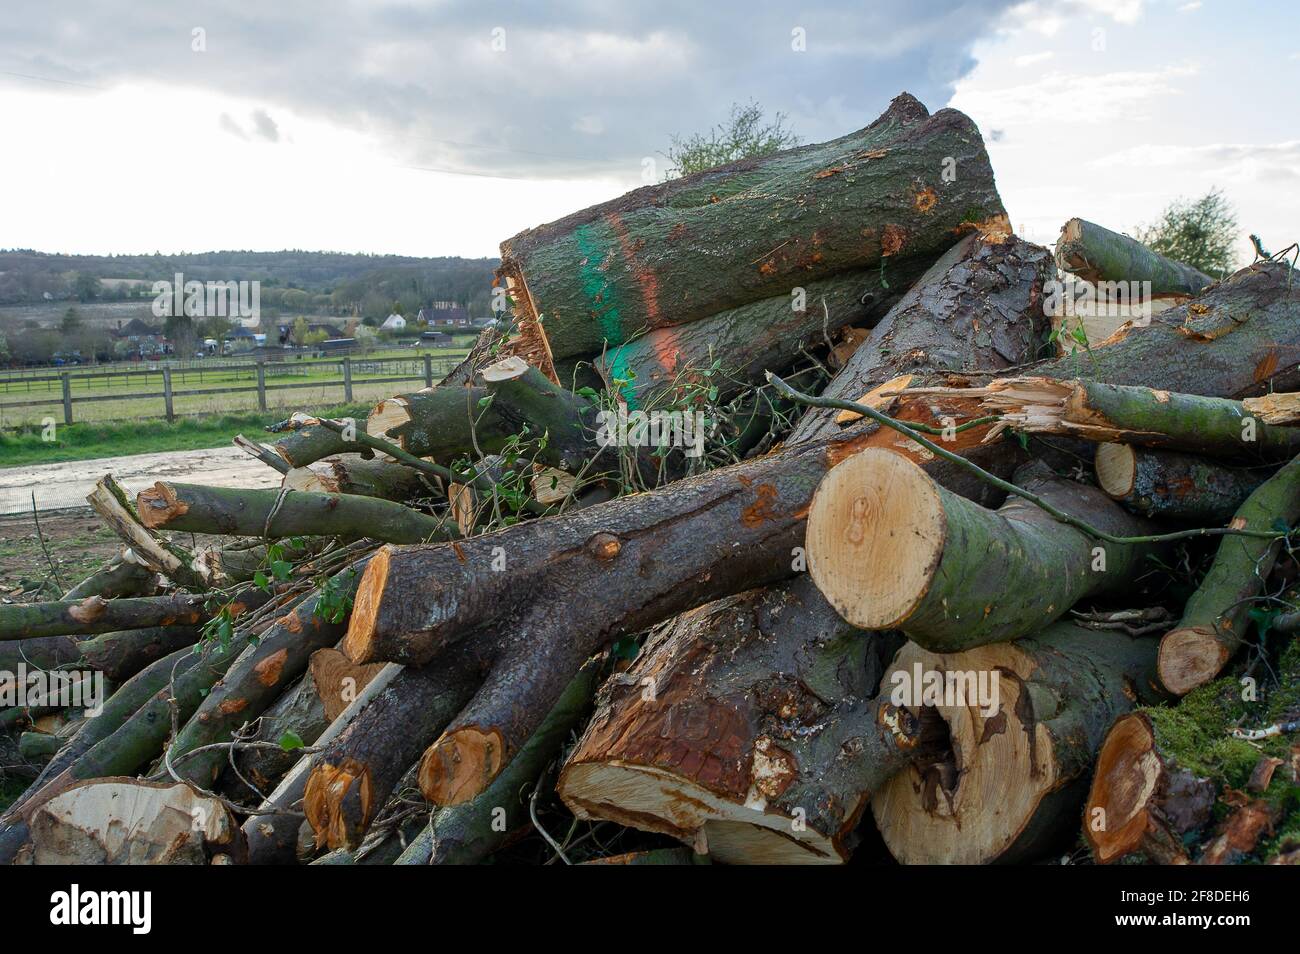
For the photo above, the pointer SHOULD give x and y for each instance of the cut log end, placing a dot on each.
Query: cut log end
(338, 802)
(358, 643)
(877, 528)
(652, 799)
(970, 799)
(1119, 812)
(507, 369)
(387, 415)
(1116, 466)
(158, 505)
(1190, 657)
(461, 764)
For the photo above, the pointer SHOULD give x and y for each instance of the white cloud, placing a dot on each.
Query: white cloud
(1190, 7)
(1071, 98)
(1029, 59)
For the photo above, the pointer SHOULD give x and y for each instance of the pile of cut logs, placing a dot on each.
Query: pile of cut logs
(786, 504)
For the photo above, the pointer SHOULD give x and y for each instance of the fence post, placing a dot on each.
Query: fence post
(428, 370)
(67, 398)
(347, 380)
(167, 394)
(261, 384)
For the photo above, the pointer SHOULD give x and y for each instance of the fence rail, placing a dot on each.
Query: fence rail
(421, 368)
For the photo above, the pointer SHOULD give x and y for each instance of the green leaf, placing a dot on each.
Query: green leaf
(261, 581)
(291, 740)
(281, 569)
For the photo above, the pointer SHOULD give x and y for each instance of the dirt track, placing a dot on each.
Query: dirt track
(59, 486)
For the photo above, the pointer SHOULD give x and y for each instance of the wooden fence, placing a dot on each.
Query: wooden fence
(419, 368)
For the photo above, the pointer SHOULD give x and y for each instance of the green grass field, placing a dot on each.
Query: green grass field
(91, 440)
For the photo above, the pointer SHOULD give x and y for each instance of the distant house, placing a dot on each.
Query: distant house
(244, 338)
(445, 314)
(140, 337)
(436, 339)
(338, 344)
(394, 322)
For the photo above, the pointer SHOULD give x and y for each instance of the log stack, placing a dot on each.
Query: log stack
(772, 525)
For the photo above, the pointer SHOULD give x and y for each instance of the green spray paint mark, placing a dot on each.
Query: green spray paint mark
(593, 251)
(616, 359)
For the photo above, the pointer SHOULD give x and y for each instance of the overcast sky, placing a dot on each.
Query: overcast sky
(440, 128)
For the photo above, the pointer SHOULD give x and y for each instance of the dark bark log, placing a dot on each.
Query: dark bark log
(273, 513)
(466, 834)
(747, 729)
(39, 747)
(978, 308)
(1007, 786)
(1239, 338)
(1217, 616)
(354, 775)
(891, 549)
(1172, 486)
(657, 369)
(650, 258)
(1096, 254)
(121, 655)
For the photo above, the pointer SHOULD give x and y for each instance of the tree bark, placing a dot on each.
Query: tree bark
(94, 614)
(658, 369)
(978, 308)
(649, 259)
(1008, 785)
(1241, 337)
(1171, 486)
(747, 729)
(465, 834)
(892, 549)
(1141, 800)
(1151, 417)
(354, 474)
(1217, 615)
(273, 513)
(304, 441)
(120, 577)
(260, 674)
(354, 775)
(298, 711)
(121, 655)
(1096, 254)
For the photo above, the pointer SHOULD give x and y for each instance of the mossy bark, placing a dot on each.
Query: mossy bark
(1166, 485)
(652, 257)
(274, 513)
(1216, 617)
(1097, 254)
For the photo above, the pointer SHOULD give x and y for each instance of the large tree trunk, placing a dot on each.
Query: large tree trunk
(650, 258)
(94, 614)
(1217, 615)
(891, 549)
(731, 349)
(747, 729)
(1096, 254)
(979, 308)
(1007, 785)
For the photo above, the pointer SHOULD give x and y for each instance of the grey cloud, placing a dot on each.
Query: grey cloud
(581, 86)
